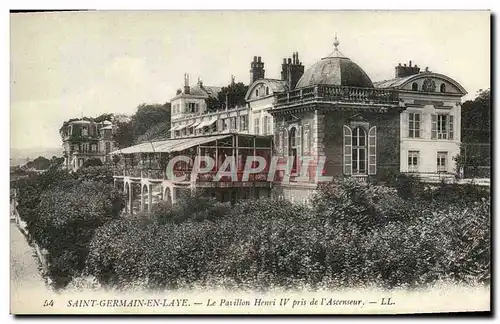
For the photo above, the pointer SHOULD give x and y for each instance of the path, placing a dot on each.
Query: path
(25, 278)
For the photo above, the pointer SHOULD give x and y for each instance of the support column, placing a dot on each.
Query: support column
(130, 198)
(150, 198)
(174, 194)
(142, 197)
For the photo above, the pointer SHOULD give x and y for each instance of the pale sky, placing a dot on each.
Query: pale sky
(64, 63)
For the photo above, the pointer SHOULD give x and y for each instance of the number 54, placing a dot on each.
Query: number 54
(48, 303)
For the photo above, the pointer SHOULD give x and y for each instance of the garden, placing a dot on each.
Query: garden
(402, 233)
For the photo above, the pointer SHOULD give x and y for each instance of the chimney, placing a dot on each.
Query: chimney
(292, 70)
(200, 83)
(257, 71)
(187, 89)
(404, 71)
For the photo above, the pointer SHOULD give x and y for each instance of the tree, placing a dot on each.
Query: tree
(476, 118)
(104, 117)
(474, 158)
(95, 173)
(40, 163)
(67, 218)
(213, 103)
(124, 135)
(92, 163)
(234, 94)
(148, 116)
(157, 132)
(152, 118)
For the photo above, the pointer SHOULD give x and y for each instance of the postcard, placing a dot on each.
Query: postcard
(250, 162)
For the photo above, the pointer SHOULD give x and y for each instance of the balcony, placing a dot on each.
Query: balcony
(333, 93)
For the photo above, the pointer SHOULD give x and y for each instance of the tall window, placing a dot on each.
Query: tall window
(243, 123)
(414, 125)
(413, 161)
(442, 126)
(269, 125)
(233, 122)
(442, 161)
(256, 126)
(358, 151)
(292, 138)
(414, 86)
(265, 126)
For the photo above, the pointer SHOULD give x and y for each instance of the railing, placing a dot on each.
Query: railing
(338, 93)
(133, 173)
(155, 174)
(118, 172)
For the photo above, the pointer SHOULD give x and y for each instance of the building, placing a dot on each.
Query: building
(430, 125)
(329, 120)
(197, 111)
(85, 140)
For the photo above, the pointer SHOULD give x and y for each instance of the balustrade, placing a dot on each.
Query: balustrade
(338, 93)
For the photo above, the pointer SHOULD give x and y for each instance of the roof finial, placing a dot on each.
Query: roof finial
(336, 42)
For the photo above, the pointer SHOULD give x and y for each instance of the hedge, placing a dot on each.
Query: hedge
(353, 234)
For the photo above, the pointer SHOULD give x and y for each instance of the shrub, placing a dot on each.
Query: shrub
(354, 234)
(67, 217)
(193, 206)
(362, 204)
(95, 173)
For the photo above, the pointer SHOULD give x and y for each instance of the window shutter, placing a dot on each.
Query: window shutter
(434, 127)
(305, 139)
(285, 143)
(405, 128)
(347, 150)
(281, 137)
(420, 135)
(276, 141)
(372, 150)
(450, 125)
(298, 140)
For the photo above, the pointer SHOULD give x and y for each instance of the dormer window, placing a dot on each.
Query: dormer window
(267, 91)
(257, 92)
(414, 86)
(442, 87)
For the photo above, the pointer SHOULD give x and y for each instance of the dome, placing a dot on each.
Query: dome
(336, 69)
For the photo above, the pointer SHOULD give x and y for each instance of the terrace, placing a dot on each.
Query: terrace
(338, 94)
(150, 160)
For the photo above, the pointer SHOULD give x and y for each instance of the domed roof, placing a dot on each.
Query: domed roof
(335, 69)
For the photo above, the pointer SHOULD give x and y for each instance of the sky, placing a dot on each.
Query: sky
(63, 65)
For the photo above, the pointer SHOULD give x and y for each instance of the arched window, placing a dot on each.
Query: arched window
(414, 86)
(442, 87)
(359, 151)
(257, 92)
(267, 91)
